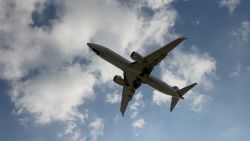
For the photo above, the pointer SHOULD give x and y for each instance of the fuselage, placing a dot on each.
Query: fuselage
(112, 57)
(125, 66)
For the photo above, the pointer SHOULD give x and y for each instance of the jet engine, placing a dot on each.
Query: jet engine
(137, 57)
(118, 80)
(175, 88)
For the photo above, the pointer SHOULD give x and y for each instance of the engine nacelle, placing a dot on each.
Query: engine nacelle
(175, 88)
(137, 57)
(118, 80)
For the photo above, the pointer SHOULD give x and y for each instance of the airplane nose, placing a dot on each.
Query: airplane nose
(93, 47)
(89, 44)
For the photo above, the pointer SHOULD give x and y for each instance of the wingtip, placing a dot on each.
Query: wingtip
(183, 38)
(122, 113)
(192, 85)
(180, 39)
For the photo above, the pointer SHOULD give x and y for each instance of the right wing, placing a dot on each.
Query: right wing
(155, 58)
(127, 95)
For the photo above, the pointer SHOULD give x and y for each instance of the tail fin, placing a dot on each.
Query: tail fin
(180, 92)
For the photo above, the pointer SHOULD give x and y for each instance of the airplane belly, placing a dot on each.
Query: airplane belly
(117, 61)
(114, 59)
(159, 85)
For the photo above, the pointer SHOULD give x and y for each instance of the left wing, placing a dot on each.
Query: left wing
(127, 95)
(128, 90)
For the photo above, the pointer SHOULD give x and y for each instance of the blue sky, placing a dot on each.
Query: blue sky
(54, 88)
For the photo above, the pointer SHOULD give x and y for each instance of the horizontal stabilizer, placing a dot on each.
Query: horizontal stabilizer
(174, 101)
(184, 90)
(180, 92)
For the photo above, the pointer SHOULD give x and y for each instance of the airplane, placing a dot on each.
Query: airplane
(138, 72)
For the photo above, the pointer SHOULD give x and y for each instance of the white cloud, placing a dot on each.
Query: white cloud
(237, 71)
(46, 52)
(34, 48)
(155, 4)
(155, 29)
(113, 98)
(135, 105)
(139, 123)
(53, 95)
(230, 4)
(243, 32)
(72, 132)
(96, 129)
(37, 51)
(189, 67)
(199, 101)
(196, 22)
(39, 62)
(239, 46)
(160, 98)
(186, 67)
(232, 132)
